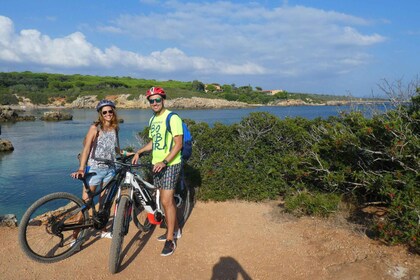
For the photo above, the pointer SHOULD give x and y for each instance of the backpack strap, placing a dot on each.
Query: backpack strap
(118, 138)
(150, 123)
(95, 142)
(168, 127)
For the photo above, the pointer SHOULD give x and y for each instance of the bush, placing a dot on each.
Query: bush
(8, 99)
(317, 204)
(313, 163)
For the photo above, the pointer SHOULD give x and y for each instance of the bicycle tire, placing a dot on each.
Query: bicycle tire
(40, 226)
(184, 208)
(120, 228)
(140, 217)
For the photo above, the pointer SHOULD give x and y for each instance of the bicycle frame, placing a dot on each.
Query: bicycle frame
(152, 207)
(99, 218)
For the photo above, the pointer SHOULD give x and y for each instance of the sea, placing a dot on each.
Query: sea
(45, 152)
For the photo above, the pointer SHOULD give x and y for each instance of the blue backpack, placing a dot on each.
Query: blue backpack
(187, 139)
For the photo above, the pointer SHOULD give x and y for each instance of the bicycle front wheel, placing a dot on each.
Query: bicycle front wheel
(46, 228)
(120, 229)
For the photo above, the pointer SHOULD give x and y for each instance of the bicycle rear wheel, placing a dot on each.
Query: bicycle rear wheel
(120, 229)
(47, 226)
(183, 204)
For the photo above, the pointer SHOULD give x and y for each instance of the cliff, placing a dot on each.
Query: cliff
(122, 101)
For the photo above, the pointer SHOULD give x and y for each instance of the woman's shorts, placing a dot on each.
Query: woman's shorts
(102, 176)
(168, 177)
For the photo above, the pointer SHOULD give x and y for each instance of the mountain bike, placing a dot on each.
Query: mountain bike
(139, 200)
(46, 228)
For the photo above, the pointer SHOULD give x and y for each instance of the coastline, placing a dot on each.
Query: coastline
(122, 102)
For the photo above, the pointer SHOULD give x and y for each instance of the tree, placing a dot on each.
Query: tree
(197, 86)
(211, 88)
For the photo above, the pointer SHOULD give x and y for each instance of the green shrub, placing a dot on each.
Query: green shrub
(8, 99)
(313, 163)
(317, 204)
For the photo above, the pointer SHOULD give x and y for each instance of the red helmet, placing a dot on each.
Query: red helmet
(154, 91)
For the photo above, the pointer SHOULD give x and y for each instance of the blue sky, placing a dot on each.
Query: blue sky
(331, 46)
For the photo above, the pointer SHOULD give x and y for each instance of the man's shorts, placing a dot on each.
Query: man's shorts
(168, 177)
(101, 177)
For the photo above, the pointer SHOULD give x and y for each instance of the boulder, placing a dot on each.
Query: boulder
(8, 114)
(6, 145)
(8, 220)
(56, 116)
(87, 101)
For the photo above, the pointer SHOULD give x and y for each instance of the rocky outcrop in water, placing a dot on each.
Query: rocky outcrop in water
(56, 116)
(6, 145)
(8, 114)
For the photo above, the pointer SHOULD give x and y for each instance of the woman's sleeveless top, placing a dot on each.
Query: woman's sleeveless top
(105, 149)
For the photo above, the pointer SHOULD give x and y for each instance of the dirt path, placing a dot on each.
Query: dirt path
(230, 240)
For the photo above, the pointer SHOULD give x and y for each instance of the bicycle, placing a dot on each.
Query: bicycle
(46, 228)
(136, 198)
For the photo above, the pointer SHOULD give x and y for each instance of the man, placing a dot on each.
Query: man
(166, 160)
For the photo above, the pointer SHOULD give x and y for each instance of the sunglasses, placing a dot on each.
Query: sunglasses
(108, 112)
(157, 100)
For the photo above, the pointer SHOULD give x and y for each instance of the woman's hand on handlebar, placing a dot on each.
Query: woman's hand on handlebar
(78, 174)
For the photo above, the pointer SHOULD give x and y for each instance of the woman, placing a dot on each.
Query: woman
(101, 142)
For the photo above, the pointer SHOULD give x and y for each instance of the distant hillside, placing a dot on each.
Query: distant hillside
(46, 88)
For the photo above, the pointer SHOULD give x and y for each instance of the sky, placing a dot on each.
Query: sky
(336, 47)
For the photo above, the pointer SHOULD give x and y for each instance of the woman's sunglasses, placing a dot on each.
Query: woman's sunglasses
(108, 112)
(156, 100)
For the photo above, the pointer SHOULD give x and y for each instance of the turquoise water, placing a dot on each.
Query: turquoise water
(45, 152)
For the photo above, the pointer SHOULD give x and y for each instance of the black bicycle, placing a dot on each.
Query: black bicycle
(46, 229)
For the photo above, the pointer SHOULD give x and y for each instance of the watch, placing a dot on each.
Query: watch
(165, 162)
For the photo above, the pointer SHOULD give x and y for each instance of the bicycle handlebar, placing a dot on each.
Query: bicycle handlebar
(122, 161)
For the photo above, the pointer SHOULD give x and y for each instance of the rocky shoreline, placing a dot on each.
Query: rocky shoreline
(124, 102)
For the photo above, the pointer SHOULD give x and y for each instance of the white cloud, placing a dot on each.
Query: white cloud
(205, 40)
(74, 51)
(274, 38)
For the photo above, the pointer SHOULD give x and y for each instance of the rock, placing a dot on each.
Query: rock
(289, 102)
(122, 101)
(8, 220)
(204, 103)
(87, 101)
(56, 116)
(8, 114)
(6, 145)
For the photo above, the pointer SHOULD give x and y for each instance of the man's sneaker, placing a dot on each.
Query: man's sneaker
(177, 235)
(169, 248)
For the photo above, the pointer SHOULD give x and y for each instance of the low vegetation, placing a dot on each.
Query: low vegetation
(43, 88)
(318, 165)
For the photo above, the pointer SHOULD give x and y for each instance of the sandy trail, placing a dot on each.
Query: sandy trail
(229, 240)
